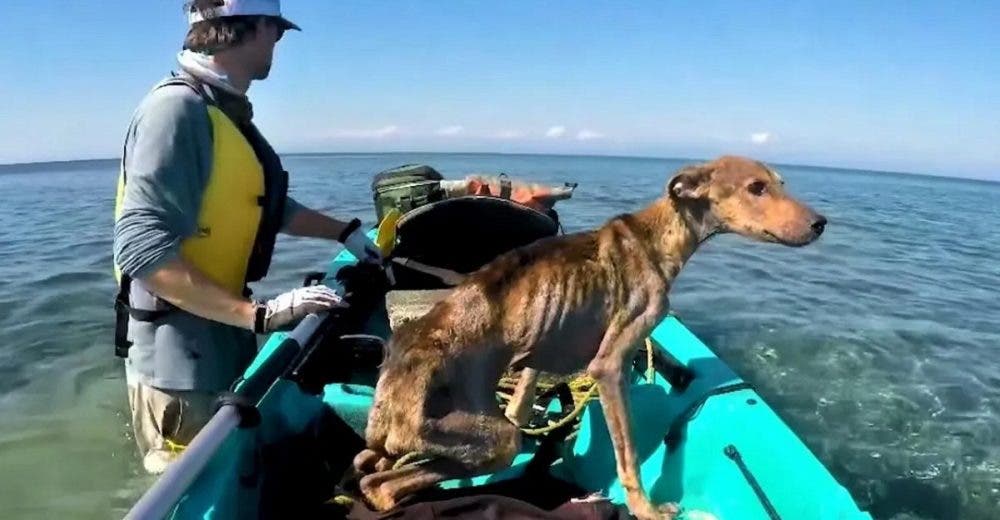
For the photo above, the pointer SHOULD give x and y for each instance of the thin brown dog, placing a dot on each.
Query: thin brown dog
(583, 300)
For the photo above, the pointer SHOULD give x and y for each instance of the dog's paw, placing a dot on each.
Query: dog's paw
(364, 462)
(648, 511)
(384, 464)
(376, 496)
(668, 511)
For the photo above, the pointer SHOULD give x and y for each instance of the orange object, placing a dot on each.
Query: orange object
(534, 195)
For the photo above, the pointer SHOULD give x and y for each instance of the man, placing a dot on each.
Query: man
(200, 199)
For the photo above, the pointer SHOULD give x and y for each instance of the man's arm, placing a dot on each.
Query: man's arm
(168, 165)
(167, 168)
(306, 222)
(183, 285)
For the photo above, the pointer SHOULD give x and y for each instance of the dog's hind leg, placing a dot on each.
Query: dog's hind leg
(370, 461)
(386, 488)
(520, 405)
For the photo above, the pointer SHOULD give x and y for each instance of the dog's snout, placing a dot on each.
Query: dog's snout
(819, 224)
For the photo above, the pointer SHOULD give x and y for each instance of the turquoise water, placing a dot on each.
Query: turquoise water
(879, 344)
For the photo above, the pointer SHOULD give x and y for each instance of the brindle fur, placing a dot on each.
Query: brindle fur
(561, 304)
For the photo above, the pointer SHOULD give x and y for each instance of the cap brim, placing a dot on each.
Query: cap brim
(286, 24)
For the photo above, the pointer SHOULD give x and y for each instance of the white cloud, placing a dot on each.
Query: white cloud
(509, 134)
(377, 133)
(555, 132)
(587, 135)
(450, 130)
(760, 137)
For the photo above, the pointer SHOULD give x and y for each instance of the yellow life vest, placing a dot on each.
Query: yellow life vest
(240, 212)
(230, 208)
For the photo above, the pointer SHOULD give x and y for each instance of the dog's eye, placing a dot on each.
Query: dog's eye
(757, 188)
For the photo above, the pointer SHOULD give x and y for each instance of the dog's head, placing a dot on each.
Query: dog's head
(744, 196)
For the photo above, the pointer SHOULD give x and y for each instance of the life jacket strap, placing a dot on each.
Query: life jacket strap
(124, 310)
(122, 343)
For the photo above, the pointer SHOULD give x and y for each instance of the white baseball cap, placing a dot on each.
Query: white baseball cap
(240, 8)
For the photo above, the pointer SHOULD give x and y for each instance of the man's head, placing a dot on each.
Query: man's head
(244, 30)
(744, 196)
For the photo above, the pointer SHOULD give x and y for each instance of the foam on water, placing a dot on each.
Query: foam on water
(878, 344)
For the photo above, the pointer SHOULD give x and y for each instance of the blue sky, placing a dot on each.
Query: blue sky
(910, 86)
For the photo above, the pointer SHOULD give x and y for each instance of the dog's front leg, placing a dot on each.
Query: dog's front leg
(520, 405)
(608, 369)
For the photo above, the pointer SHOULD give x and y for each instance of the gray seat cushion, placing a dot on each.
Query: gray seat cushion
(404, 306)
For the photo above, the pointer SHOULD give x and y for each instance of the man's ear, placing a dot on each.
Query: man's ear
(690, 182)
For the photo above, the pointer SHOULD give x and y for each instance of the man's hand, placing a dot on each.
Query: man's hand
(294, 305)
(358, 243)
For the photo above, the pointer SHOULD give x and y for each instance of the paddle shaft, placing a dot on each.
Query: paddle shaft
(160, 498)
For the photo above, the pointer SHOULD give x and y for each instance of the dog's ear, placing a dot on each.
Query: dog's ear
(690, 182)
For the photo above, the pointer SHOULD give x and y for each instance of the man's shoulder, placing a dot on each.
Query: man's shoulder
(172, 99)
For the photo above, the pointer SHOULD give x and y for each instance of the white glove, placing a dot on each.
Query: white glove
(359, 245)
(295, 305)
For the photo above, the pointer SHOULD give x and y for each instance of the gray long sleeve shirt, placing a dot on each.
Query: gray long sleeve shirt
(168, 159)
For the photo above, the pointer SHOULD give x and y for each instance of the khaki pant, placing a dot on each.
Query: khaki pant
(166, 420)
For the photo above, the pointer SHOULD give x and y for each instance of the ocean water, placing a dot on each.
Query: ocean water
(879, 344)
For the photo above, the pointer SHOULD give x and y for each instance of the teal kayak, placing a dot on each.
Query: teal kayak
(731, 456)
(281, 444)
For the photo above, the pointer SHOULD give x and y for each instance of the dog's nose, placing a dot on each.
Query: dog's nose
(819, 225)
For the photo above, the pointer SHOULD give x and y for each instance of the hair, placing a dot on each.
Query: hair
(212, 35)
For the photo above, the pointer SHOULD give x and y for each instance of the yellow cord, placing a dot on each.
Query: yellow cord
(577, 410)
(583, 388)
(413, 457)
(174, 447)
(341, 500)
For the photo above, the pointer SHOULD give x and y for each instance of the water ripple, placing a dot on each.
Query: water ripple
(878, 344)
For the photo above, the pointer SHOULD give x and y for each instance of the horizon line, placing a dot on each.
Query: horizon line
(37, 164)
